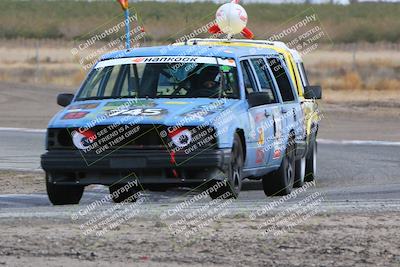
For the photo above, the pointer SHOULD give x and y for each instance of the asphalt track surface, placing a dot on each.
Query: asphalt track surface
(352, 176)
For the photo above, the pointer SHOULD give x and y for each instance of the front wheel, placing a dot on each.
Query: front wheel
(230, 188)
(63, 194)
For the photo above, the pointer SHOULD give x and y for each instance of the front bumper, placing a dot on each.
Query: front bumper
(149, 166)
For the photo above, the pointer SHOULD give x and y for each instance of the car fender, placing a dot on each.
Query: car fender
(229, 121)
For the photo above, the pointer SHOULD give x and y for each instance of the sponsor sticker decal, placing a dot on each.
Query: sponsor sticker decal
(138, 59)
(261, 139)
(163, 59)
(136, 103)
(83, 140)
(83, 106)
(74, 115)
(277, 154)
(259, 117)
(260, 155)
(138, 112)
(181, 137)
(176, 103)
(228, 62)
(225, 68)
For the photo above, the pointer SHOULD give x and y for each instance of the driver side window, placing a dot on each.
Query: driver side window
(248, 79)
(261, 71)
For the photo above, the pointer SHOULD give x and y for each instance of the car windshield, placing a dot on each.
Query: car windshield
(161, 80)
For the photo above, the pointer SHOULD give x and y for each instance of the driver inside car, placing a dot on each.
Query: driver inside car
(208, 82)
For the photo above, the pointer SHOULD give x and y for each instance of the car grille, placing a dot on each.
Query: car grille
(111, 137)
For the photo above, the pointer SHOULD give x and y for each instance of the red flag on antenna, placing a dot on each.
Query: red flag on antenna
(124, 4)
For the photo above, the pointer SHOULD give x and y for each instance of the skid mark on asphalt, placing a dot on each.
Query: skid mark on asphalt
(358, 142)
(22, 130)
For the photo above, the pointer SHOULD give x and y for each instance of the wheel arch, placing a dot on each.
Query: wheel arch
(240, 132)
(291, 138)
(313, 132)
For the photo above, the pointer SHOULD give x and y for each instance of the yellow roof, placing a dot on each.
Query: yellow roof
(294, 72)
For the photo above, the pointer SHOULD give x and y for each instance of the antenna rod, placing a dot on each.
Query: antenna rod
(127, 29)
(124, 5)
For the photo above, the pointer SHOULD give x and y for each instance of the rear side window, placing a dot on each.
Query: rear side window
(247, 77)
(282, 79)
(264, 77)
(290, 65)
(303, 74)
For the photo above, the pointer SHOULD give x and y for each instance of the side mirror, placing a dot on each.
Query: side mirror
(64, 99)
(258, 99)
(313, 92)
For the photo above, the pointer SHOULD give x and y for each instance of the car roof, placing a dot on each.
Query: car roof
(296, 56)
(190, 50)
(277, 46)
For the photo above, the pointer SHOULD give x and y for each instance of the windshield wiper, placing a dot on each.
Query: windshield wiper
(103, 97)
(92, 98)
(124, 96)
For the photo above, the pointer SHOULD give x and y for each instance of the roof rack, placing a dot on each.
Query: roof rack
(264, 42)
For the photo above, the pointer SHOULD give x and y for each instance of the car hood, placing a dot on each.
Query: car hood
(182, 111)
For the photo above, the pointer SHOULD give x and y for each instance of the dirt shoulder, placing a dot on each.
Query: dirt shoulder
(327, 239)
(360, 115)
(27, 105)
(21, 182)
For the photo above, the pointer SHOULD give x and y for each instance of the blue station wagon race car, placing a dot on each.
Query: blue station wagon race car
(177, 116)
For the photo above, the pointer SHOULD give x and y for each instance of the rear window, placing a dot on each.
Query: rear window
(282, 79)
(303, 74)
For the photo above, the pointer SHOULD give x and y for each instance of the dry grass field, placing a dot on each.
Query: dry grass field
(366, 67)
(374, 68)
(72, 20)
(359, 49)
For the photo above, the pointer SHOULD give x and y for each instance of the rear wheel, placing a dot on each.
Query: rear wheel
(233, 182)
(300, 172)
(311, 163)
(123, 193)
(280, 182)
(63, 194)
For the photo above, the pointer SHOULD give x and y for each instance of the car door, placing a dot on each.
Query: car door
(267, 130)
(254, 153)
(291, 113)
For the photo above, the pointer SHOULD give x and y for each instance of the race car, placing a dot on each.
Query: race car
(306, 166)
(177, 116)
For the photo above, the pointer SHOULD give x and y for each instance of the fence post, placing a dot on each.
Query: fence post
(37, 61)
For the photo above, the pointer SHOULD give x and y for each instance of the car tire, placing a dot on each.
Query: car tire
(234, 179)
(118, 194)
(280, 182)
(300, 172)
(311, 163)
(63, 194)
